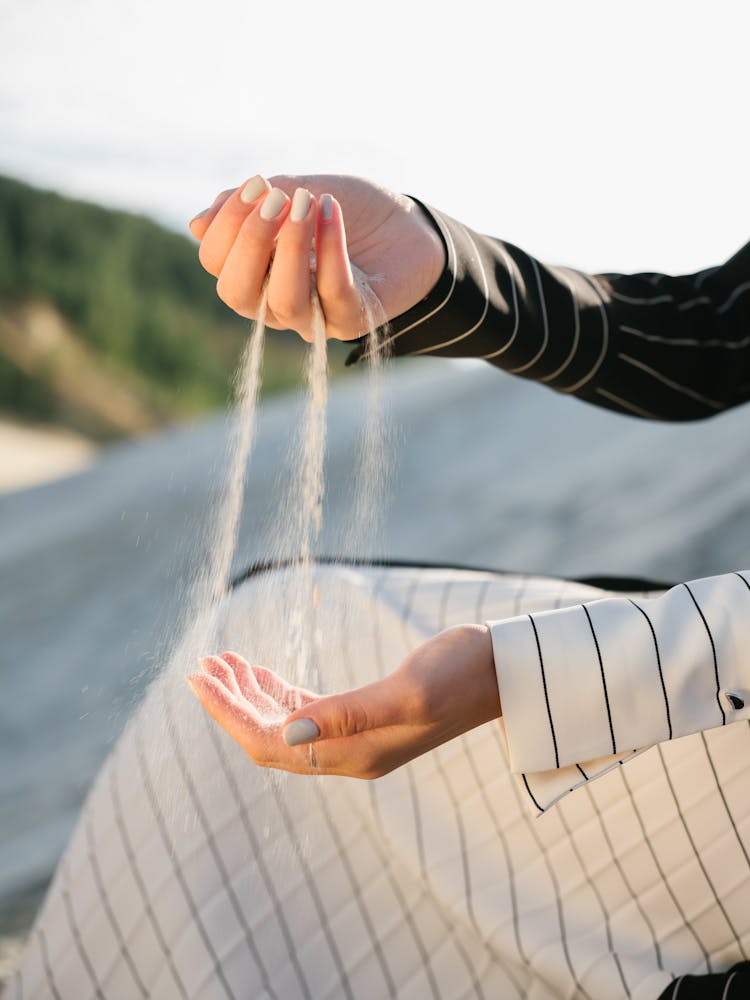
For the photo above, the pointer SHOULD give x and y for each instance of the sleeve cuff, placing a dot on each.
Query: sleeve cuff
(495, 302)
(586, 688)
(403, 335)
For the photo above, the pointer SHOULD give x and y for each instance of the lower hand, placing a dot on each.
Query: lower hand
(444, 688)
(270, 228)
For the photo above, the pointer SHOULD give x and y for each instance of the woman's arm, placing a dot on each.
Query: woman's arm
(583, 689)
(661, 347)
(651, 345)
(444, 688)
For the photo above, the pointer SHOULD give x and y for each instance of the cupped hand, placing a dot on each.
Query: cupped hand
(271, 228)
(444, 688)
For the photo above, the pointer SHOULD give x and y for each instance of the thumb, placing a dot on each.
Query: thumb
(342, 715)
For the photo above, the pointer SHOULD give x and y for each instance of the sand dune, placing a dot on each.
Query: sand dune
(31, 454)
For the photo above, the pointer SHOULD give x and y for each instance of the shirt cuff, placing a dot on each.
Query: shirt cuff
(495, 302)
(412, 331)
(585, 688)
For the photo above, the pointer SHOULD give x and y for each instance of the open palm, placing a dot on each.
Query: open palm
(444, 688)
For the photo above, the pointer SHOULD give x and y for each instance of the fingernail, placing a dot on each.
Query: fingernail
(300, 205)
(300, 731)
(198, 216)
(253, 189)
(326, 207)
(273, 204)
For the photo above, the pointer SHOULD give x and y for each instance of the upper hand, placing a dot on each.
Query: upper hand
(387, 238)
(444, 688)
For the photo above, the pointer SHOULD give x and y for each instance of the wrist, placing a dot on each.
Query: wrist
(484, 692)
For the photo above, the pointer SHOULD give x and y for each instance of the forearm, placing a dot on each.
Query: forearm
(673, 348)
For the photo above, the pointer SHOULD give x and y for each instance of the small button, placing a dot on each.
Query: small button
(735, 700)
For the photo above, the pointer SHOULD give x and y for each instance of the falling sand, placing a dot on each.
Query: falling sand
(299, 631)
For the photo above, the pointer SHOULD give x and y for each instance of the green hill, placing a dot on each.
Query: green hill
(109, 324)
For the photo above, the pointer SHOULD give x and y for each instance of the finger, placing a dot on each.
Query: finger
(261, 741)
(237, 718)
(344, 715)
(215, 667)
(222, 230)
(339, 297)
(243, 674)
(289, 296)
(248, 685)
(287, 696)
(244, 270)
(200, 222)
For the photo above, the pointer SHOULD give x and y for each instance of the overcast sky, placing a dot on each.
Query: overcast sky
(598, 134)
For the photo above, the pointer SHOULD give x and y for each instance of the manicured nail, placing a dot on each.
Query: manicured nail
(198, 216)
(273, 204)
(300, 205)
(253, 189)
(326, 207)
(300, 731)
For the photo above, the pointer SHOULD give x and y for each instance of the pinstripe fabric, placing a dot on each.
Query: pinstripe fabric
(214, 878)
(651, 345)
(657, 669)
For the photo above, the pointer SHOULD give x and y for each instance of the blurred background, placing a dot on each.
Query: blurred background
(596, 135)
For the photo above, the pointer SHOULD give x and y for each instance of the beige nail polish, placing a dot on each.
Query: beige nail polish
(273, 204)
(253, 189)
(326, 207)
(300, 205)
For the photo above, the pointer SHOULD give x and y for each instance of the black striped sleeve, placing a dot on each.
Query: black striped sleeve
(650, 345)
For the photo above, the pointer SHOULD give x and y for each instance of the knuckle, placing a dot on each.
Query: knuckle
(228, 295)
(254, 236)
(207, 259)
(335, 286)
(354, 717)
(291, 313)
(340, 302)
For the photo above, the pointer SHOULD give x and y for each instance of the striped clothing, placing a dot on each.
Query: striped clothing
(193, 875)
(190, 875)
(584, 689)
(650, 345)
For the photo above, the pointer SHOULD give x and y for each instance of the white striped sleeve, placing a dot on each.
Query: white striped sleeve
(584, 688)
